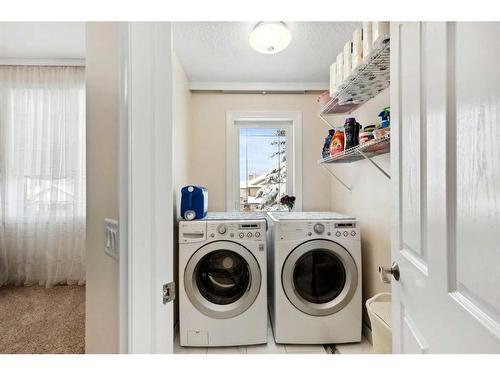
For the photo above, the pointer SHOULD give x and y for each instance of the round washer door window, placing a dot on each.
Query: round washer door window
(222, 279)
(319, 277)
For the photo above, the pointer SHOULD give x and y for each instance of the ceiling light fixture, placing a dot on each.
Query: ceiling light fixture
(270, 37)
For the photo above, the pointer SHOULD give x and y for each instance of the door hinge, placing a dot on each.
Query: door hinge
(168, 292)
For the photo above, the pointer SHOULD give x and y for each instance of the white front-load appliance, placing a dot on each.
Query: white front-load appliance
(314, 276)
(222, 280)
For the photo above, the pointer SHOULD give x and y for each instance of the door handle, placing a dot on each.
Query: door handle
(385, 273)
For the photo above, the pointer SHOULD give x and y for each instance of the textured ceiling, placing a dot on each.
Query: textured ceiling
(208, 51)
(42, 40)
(219, 52)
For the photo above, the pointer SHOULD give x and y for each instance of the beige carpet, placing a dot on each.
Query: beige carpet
(42, 320)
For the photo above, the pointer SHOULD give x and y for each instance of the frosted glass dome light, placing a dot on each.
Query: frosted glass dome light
(270, 37)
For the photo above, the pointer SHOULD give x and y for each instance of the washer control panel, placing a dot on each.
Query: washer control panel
(209, 230)
(294, 230)
(229, 230)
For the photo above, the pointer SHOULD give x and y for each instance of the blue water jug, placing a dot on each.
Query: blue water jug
(194, 202)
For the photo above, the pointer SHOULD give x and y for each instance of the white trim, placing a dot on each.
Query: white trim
(48, 62)
(146, 190)
(123, 188)
(232, 184)
(259, 86)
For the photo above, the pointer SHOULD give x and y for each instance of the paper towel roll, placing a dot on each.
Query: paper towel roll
(333, 79)
(357, 49)
(347, 59)
(340, 70)
(367, 40)
(380, 32)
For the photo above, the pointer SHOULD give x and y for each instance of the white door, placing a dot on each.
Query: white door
(146, 187)
(445, 99)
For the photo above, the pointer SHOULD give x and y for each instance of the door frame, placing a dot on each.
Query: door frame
(145, 184)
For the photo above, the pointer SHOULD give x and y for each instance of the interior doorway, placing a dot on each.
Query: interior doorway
(42, 189)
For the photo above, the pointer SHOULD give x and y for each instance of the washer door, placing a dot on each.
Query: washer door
(222, 279)
(319, 277)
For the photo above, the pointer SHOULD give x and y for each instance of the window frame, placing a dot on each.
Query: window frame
(253, 119)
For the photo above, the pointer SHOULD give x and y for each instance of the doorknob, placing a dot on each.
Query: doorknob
(385, 273)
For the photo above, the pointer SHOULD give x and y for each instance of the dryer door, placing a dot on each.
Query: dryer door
(319, 277)
(222, 279)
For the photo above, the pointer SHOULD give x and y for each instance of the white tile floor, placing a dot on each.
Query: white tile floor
(363, 347)
(270, 348)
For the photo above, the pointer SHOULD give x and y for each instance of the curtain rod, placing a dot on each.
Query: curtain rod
(42, 62)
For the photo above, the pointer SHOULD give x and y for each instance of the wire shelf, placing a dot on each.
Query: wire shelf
(363, 84)
(367, 150)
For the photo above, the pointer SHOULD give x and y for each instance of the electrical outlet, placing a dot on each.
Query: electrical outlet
(111, 246)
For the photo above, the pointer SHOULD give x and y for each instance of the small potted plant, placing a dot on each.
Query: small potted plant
(288, 201)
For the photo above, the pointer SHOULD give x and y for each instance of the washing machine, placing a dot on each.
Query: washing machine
(222, 280)
(314, 284)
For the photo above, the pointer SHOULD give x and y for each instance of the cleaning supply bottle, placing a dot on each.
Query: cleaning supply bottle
(326, 147)
(385, 117)
(337, 144)
(351, 129)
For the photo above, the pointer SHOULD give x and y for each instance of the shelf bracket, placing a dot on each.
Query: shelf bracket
(326, 121)
(336, 177)
(375, 164)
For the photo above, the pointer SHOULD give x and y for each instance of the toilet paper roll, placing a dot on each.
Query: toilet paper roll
(380, 33)
(367, 40)
(340, 70)
(347, 59)
(357, 49)
(333, 79)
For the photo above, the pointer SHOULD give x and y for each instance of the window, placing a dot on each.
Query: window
(43, 134)
(42, 174)
(262, 154)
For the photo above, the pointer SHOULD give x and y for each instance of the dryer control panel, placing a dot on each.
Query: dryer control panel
(293, 230)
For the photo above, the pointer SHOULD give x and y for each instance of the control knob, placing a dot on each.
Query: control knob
(222, 229)
(319, 228)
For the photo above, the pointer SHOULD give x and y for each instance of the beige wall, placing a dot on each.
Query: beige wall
(180, 147)
(207, 143)
(370, 201)
(102, 185)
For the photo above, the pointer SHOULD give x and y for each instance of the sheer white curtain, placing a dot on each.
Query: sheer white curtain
(42, 175)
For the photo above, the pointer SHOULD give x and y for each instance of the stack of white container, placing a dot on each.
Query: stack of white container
(357, 52)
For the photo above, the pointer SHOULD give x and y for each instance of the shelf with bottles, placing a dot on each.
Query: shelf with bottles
(369, 149)
(347, 144)
(365, 151)
(363, 84)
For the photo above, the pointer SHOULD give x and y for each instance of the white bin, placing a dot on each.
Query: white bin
(379, 310)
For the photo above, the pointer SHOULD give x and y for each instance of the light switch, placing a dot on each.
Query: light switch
(111, 246)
